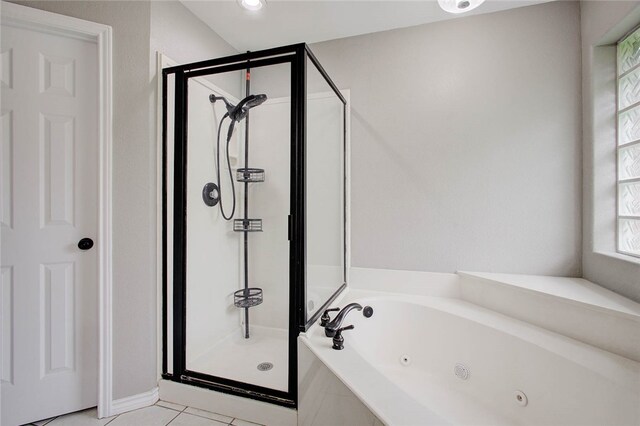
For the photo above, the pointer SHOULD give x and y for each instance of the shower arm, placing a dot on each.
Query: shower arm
(214, 98)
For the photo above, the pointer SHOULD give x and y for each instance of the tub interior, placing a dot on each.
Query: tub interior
(474, 366)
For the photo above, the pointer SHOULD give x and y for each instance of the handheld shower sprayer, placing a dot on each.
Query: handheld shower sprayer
(240, 111)
(243, 107)
(236, 113)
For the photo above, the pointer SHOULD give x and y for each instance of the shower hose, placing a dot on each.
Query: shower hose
(233, 188)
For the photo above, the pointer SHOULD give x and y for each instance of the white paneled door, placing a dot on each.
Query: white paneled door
(49, 195)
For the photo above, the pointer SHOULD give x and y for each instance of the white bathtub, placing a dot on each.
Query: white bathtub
(401, 364)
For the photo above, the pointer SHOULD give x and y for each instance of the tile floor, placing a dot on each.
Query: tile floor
(161, 414)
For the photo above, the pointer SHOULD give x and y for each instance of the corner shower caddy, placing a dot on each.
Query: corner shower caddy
(248, 297)
(298, 58)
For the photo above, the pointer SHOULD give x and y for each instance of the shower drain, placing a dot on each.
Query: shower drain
(265, 366)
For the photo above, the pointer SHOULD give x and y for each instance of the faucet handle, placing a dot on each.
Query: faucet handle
(338, 340)
(325, 318)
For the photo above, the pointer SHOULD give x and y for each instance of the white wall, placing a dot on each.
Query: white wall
(603, 23)
(466, 149)
(180, 35)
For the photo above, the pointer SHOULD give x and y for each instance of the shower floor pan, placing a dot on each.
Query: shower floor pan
(246, 360)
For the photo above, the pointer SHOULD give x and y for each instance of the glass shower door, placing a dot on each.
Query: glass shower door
(237, 263)
(231, 206)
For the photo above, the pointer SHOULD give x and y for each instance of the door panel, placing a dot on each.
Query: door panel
(6, 133)
(56, 169)
(6, 275)
(49, 129)
(56, 320)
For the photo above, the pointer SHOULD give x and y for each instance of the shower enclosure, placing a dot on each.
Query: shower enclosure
(254, 217)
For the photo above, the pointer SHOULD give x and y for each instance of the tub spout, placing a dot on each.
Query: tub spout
(331, 328)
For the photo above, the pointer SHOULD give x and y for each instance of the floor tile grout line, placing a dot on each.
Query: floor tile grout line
(114, 417)
(169, 408)
(202, 417)
(205, 417)
(172, 409)
(208, 418)
(43, 424)
(170, 421)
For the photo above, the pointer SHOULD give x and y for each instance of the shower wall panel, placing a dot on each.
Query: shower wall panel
(213, 249)
(270, 149)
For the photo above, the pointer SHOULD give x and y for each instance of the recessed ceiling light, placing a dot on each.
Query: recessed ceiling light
(252, 4)
(459, 6)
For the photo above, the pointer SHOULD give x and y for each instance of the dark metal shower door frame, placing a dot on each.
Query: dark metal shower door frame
(296, 55)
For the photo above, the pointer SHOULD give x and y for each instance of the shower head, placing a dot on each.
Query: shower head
(252, 101)
(242, 109)
(239, 112)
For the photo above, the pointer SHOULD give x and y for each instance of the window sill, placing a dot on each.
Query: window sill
(619, 256)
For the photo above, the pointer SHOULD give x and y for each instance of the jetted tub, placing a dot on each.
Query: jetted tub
(426, 360)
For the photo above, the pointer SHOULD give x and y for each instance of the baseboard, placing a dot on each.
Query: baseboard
(134, 402)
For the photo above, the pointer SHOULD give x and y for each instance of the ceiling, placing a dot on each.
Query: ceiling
(283, 22)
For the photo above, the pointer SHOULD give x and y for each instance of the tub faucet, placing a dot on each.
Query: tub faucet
(325, 318)
(338, 340)
(331, 328)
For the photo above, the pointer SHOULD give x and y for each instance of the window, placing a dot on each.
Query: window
(628, 145)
